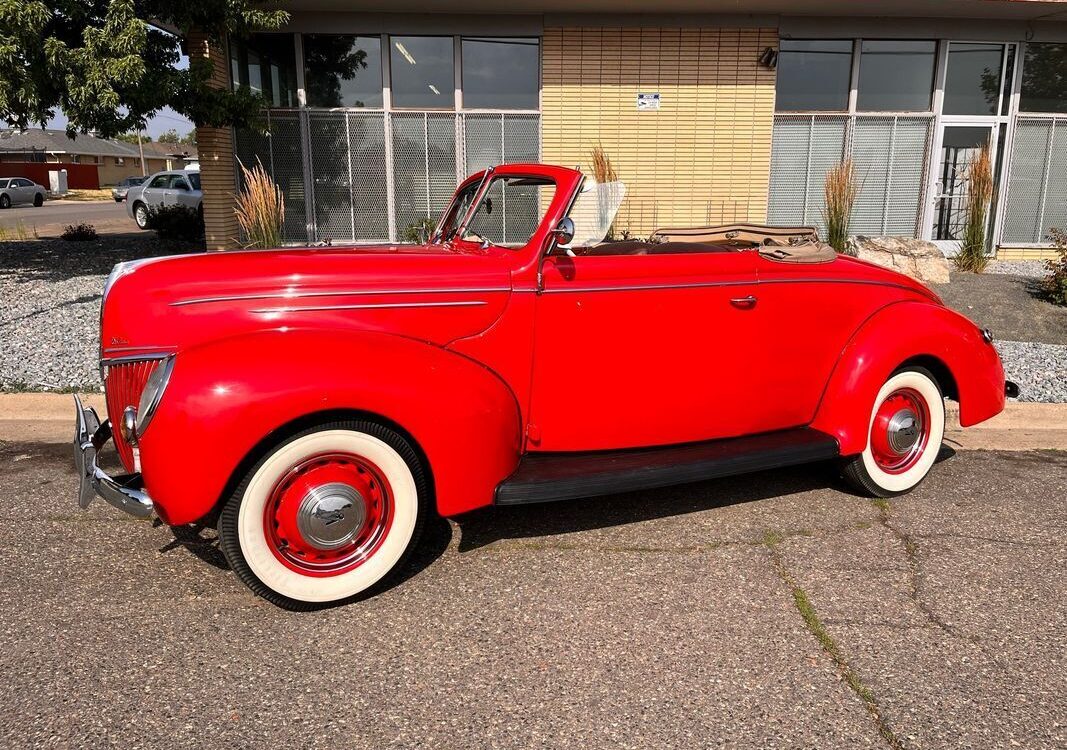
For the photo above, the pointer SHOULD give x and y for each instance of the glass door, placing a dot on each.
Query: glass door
(959, 144)
(975, 85)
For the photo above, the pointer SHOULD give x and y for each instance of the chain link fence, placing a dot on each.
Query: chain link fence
(1037, 181)
(374, 176)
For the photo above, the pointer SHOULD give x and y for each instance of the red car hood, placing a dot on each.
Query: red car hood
(432, 292)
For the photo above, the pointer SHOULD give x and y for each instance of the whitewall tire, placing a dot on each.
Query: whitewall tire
(326, 515)
(906, 427)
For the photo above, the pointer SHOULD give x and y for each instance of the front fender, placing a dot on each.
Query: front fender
(894, 335)
(227, 396)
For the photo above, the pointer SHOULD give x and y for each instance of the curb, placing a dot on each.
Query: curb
(1022, 426)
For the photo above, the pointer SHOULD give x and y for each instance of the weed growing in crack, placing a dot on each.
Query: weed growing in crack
(816, 627)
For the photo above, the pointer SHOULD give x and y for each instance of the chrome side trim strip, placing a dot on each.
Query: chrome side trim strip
(339, 293)
(370, 306)
(707, 284)
(648, 287)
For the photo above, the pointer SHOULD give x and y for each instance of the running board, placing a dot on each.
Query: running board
(542, 477)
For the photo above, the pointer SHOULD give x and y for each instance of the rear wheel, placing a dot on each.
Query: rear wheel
(38, 200)
(325, 516)
(904, 435)
(140, 215)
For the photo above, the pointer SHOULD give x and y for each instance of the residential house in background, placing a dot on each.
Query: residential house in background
(710, 117)
(90, 162)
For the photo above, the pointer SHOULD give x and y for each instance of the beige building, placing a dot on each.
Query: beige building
(709, 116)
(114, 160)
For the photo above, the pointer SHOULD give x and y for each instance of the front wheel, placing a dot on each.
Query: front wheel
(326, 515)
(5, 201)
(906, 427)
(140, 215)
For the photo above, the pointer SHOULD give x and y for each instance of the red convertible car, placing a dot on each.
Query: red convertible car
(317, 404)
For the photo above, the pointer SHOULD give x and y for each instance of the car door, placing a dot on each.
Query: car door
(641, 350)
(182, 192)
(23, 190)
(155, 193)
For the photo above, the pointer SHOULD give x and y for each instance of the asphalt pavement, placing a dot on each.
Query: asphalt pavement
(54, 215)
(774, 610)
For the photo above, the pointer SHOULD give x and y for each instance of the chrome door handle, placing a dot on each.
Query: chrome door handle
(744, 302)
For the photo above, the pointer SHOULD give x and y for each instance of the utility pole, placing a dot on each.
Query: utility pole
(140, 149)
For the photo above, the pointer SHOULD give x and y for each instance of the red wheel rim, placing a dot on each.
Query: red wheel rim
(900, 431)
(328, 514)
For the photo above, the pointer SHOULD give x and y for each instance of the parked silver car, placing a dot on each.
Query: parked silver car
(119, 191)
(15, 190)
(175, 187)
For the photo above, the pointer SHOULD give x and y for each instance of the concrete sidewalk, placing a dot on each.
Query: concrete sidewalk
(1023, 426)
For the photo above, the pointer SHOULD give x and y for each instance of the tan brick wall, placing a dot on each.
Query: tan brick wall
(215, 146)
(704, 156)
(112, 173)
(1026, 253)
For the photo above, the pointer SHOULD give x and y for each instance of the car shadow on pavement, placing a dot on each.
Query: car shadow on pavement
(486, 526)
(202, 541)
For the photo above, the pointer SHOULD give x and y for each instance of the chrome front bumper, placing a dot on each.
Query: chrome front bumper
(124, 492)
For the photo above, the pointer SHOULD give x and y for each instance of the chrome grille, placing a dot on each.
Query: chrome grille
(124, 380)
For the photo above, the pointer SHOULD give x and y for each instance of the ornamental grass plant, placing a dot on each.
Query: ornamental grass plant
(979, 179)
(260, 208)
(839, 191)
(1054, 285)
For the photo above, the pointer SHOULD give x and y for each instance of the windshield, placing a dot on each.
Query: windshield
(508, 214)
(594, 210)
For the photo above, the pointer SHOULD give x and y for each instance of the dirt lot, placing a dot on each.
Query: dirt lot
(767, 611)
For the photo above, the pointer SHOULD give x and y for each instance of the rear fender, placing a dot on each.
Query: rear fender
(895, 335)
(228, 396)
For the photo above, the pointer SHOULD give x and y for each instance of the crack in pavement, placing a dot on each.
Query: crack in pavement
(915, 572)
(817, 628)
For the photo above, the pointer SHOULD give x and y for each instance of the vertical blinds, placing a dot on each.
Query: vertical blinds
(889, 154)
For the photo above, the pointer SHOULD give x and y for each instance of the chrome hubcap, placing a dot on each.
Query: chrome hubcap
(330, 515)
(904, 431)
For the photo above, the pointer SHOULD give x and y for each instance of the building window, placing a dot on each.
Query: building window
(422, 72)
(343, 70)
(119, 161)
(501, 73)
(896, 76)
(972, 81)
(1044, 78)
(266, 64)
(813, 75)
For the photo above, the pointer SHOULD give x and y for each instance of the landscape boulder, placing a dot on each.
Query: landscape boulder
(918, 259)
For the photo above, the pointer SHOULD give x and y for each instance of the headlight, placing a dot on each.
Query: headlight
(152, 393)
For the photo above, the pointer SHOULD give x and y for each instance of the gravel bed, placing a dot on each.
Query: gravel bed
(1032, 269)
(50, 293)
(1039, 369)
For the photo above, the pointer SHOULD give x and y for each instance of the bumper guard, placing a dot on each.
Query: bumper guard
(125, 492)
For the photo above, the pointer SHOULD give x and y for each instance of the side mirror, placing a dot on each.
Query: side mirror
(564, 231)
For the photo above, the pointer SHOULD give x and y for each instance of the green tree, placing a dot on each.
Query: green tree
(132, 138)
(170, 136)
(189, 139)
(110, 65)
